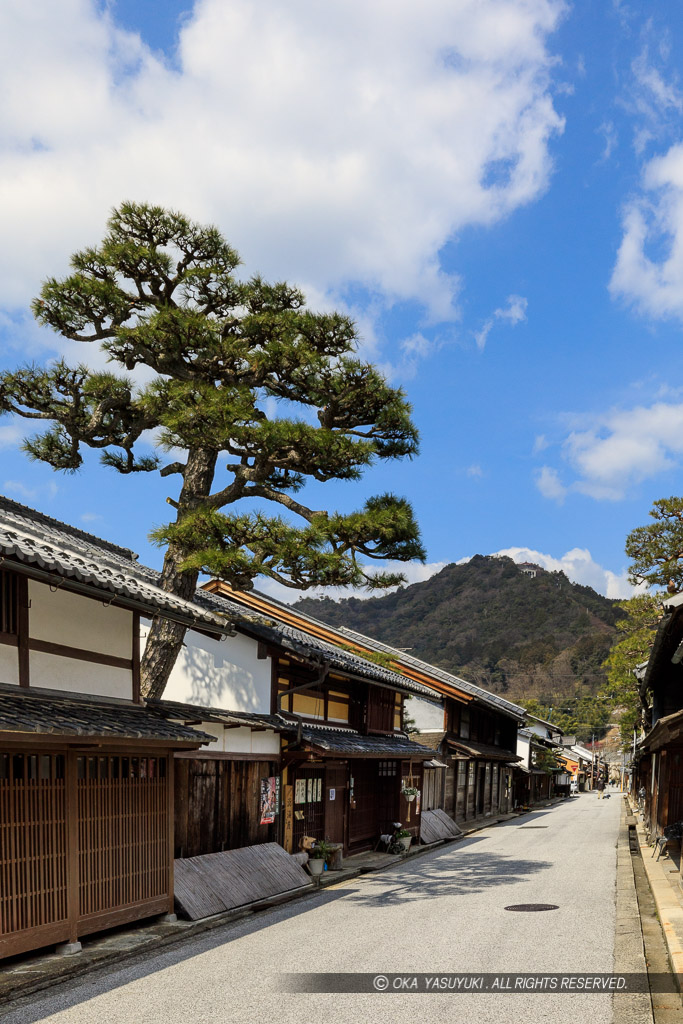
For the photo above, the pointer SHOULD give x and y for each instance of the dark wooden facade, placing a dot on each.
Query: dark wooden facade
(659, 759)
(217, 803)
(479, 747)
(351, 801)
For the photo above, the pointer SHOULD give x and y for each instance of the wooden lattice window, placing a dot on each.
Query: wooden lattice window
(9, 601)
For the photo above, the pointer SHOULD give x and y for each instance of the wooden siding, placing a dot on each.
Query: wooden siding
(84, 844)
(218, 805)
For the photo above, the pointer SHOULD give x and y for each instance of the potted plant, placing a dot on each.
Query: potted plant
(317, 857)
(410, 792)
(405, 838)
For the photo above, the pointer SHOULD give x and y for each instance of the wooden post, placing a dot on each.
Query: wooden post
(170, 773)
(72, 873)
(289, 818)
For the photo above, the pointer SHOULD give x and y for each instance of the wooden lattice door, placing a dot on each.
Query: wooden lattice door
(84, 844)
(123, 837)
(33, 851)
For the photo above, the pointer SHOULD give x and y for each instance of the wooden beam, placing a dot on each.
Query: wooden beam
(22, 631)
(80, 654)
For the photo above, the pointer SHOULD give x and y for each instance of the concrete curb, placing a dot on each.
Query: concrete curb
(629, 949)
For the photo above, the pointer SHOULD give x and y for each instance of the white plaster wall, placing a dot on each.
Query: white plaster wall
(265, 743)
(220, 674)
(240, 741)
(523, 745)
(428, 717)
(61, 617)
(56, 673)
(9, 664)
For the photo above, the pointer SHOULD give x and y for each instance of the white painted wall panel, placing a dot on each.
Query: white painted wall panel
(428, 717)
(220, 674)
(240, 741)
(61, 617)
(265, 743)
(9, 664)
(53, 672)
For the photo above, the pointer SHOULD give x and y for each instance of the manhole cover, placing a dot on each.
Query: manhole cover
(527, 908)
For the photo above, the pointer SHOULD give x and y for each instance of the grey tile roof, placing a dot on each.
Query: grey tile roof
(492, 699)
(32, 538)
(326, 738)
(72, 715)
(485, 751)
(299, 642)
(350, 743)
(200, 712)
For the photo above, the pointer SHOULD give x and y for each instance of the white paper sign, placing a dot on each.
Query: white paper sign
(333, 793)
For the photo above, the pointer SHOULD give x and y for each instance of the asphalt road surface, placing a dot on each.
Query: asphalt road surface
(442, 912)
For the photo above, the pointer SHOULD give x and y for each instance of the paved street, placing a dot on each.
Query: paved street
(443, 911)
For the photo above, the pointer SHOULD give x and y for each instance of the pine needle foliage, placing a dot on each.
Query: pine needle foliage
(256, 392)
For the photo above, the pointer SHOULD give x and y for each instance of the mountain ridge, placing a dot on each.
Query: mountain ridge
(523, 634)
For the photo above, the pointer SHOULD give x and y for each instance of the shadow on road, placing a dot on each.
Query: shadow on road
(462, 877)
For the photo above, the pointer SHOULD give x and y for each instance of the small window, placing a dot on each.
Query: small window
(8, 603)
(465, 724)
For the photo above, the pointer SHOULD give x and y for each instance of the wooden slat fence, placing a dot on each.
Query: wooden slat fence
(84, 844)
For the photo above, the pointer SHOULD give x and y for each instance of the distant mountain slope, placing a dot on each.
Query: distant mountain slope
(487, 620)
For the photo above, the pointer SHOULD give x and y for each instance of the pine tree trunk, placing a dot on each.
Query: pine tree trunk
(165, 637)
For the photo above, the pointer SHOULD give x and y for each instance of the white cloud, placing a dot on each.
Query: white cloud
(611, 453)
(475, 470)
(20, 490)
(579, 566)
(610, 138)
(11, 435)
(414, 572)
(550, 485)
(513, 313)
(649, 268)
(334, 144)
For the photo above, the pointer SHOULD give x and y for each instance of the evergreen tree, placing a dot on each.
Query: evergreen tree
(636, 634)
(244, 380)
(657, 548)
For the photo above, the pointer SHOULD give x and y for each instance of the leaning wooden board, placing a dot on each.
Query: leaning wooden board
(436, 825)
(223, 881)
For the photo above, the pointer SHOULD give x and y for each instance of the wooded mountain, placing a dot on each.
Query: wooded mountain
(542, 637)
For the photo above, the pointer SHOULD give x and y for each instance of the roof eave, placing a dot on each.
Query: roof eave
(108, 596)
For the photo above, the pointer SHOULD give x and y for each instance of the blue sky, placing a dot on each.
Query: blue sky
(494, 189)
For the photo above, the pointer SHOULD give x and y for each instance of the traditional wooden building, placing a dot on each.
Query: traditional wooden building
(471, 733)
(86, 770)
(328, 726)
(659, 755)
(532, 783)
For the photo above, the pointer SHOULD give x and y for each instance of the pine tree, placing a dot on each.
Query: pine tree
(657, 548)
(245, 381)
(635, 637)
